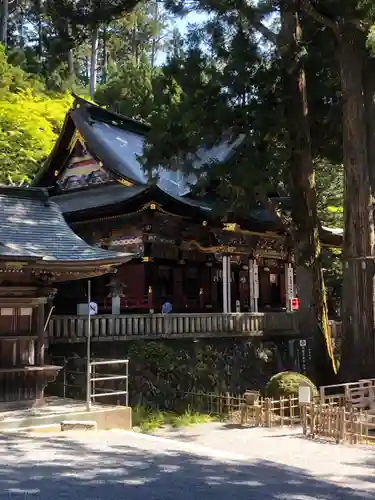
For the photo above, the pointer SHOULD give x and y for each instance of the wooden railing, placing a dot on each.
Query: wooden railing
(127, 327)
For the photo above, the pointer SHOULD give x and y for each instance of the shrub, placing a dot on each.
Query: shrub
(286, 384)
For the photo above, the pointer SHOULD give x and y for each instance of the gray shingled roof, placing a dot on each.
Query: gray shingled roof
(101, 196)
(95, 197)
(32, 226)
(119, 144)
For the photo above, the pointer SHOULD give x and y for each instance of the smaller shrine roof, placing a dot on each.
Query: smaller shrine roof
(33, 228)
(97, 197)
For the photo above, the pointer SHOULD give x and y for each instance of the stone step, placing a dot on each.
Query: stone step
(88, 425)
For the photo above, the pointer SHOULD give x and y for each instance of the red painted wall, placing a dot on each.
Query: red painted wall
(133, 276)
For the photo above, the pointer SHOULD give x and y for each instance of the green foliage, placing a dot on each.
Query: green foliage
(188, 418)
(30, 121)
(149, 420)
(162, 371)
(221, 83)
(330, 192)
(146, 419)
(13, 79)
(129, 91)
(286, 384)
(371, 39)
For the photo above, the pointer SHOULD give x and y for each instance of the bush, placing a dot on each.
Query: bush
(286, 384)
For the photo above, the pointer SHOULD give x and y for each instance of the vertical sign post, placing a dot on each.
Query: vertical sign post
(251, 284)
(289, 285)
(229, 285)
(88, 348)
(256, 285)
(225, 285)
(92, 310)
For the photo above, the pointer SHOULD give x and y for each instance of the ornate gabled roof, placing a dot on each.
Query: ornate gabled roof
(117, 143)
(110, 149)
(32, 228)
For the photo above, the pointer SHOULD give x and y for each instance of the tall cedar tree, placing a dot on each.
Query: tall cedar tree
(228, 89)
(349, 23)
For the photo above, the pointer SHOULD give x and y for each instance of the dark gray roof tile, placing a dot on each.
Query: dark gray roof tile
(112, 194)
(32, 226)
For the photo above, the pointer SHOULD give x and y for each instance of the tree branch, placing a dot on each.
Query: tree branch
(263, 30)
(311, 11)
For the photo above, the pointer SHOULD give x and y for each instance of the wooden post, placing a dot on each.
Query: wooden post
(229, 412)
(351, 422)
(40, 332)
(282, 408)
(331, 419)
(360, 425)
(268, 419)
(312, 420)
(356, 430)
(243, 408)
(291, 409)
(341, 436)
(321, 394)
(366, 425)
(304, 419)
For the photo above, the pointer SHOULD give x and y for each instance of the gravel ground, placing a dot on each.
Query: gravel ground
(211, 461)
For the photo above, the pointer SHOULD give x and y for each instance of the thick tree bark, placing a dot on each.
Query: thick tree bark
(369, 88)
(358, 353)
(4, 22)
(310, 284)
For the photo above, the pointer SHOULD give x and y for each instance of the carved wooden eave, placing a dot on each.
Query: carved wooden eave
(50, 271)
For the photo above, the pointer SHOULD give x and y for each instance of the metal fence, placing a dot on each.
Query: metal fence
(108, 380)
(95, 377)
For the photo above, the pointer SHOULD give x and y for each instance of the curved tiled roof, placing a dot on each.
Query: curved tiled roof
(32, 227)
(109, 195)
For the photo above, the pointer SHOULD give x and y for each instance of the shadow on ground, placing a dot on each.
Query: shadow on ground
(59, 467)
(369, 465)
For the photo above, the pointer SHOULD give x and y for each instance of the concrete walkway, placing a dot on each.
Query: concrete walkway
(211, 461)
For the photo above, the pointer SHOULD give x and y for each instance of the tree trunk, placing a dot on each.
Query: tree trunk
(105, 55)
(40, 32)
(358, 352)
(4, 22)
(70, 56)
(70, 63)
(155, 40)
(22, 28)
(310, 283)
(93, 62)
(369, 86)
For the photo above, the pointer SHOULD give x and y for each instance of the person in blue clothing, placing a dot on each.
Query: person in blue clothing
(166, 308)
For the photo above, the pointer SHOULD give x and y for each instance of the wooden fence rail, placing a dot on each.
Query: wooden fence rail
(125, 327)
(247, 409)
(338, 423)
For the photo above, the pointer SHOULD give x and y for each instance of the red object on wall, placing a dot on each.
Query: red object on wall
(294, 304)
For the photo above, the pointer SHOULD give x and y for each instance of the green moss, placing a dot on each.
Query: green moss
(286, 384)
